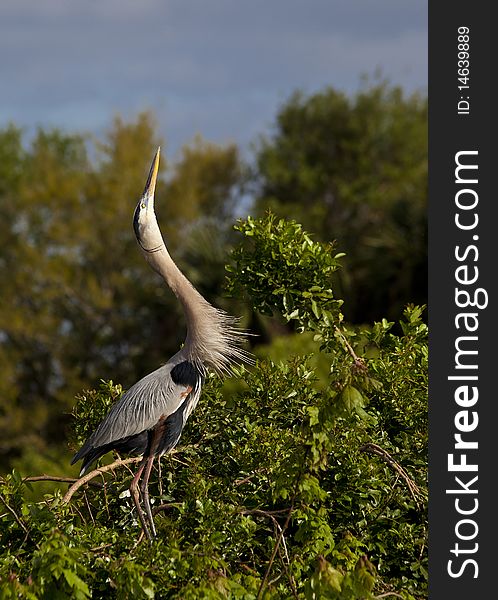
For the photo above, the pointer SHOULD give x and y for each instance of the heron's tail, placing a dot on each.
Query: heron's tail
(134, 444)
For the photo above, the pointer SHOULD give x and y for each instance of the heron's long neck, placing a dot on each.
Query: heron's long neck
(210, 336)
(190, 298)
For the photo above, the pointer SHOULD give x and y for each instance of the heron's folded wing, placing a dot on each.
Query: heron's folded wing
(154, 397)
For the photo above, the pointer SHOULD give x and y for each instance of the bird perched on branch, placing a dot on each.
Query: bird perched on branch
(149, 418)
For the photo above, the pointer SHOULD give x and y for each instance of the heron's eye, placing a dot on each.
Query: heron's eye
(142, 205)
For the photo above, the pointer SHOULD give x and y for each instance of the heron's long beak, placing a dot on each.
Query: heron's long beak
(150, 186)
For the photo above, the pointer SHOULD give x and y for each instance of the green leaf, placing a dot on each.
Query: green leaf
(352, 398)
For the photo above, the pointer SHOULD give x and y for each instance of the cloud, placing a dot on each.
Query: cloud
(220, 67)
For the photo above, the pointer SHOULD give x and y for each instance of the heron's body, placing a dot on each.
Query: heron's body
(162, 401)
(149, 418)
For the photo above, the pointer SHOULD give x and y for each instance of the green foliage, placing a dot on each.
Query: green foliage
(285, 488)
(282, 258)
(354, 168)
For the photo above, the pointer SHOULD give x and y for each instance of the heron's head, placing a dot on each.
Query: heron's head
(144, 220)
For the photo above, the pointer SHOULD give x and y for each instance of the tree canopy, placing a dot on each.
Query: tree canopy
(354, 168)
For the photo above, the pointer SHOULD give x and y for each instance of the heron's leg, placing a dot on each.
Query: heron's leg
(136, 497)
(144, 487)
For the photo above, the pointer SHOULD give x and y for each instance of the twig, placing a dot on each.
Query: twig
(74, 507)
(185, 464)
(14, 514)
(423, 546)
(263, 513)
(160, 476)
(141, 536)
(286, 562)
(386, 594)
(126, 466)
(248, 569)
(95, 473)
(161, 507)
(249, 477)
(98, 548)
(57, 479)
(105, 495)
(270, 514)
(275, 550)
(18, 521)
(275, 579)
(387, 458)
(88, 507)
(358, 361)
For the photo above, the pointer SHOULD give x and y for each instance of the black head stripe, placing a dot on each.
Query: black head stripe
(135, 221)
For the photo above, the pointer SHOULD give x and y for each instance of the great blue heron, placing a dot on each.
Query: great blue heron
(149, 418)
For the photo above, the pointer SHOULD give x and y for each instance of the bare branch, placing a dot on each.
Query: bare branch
(18, 520)
(275, 550)
(57, 479)
(270, 514)
(102, 547)
(160, 476)
(88, 507)
(96, 473)
(249, 477)
(358, 362)
(14, 514)
(388, 459)
(161, 507)
(286, 562)
(263, 513)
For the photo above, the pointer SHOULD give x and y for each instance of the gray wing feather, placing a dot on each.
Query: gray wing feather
(141, 407)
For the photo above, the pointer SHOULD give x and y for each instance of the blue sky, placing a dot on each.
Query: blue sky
(218, 67)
